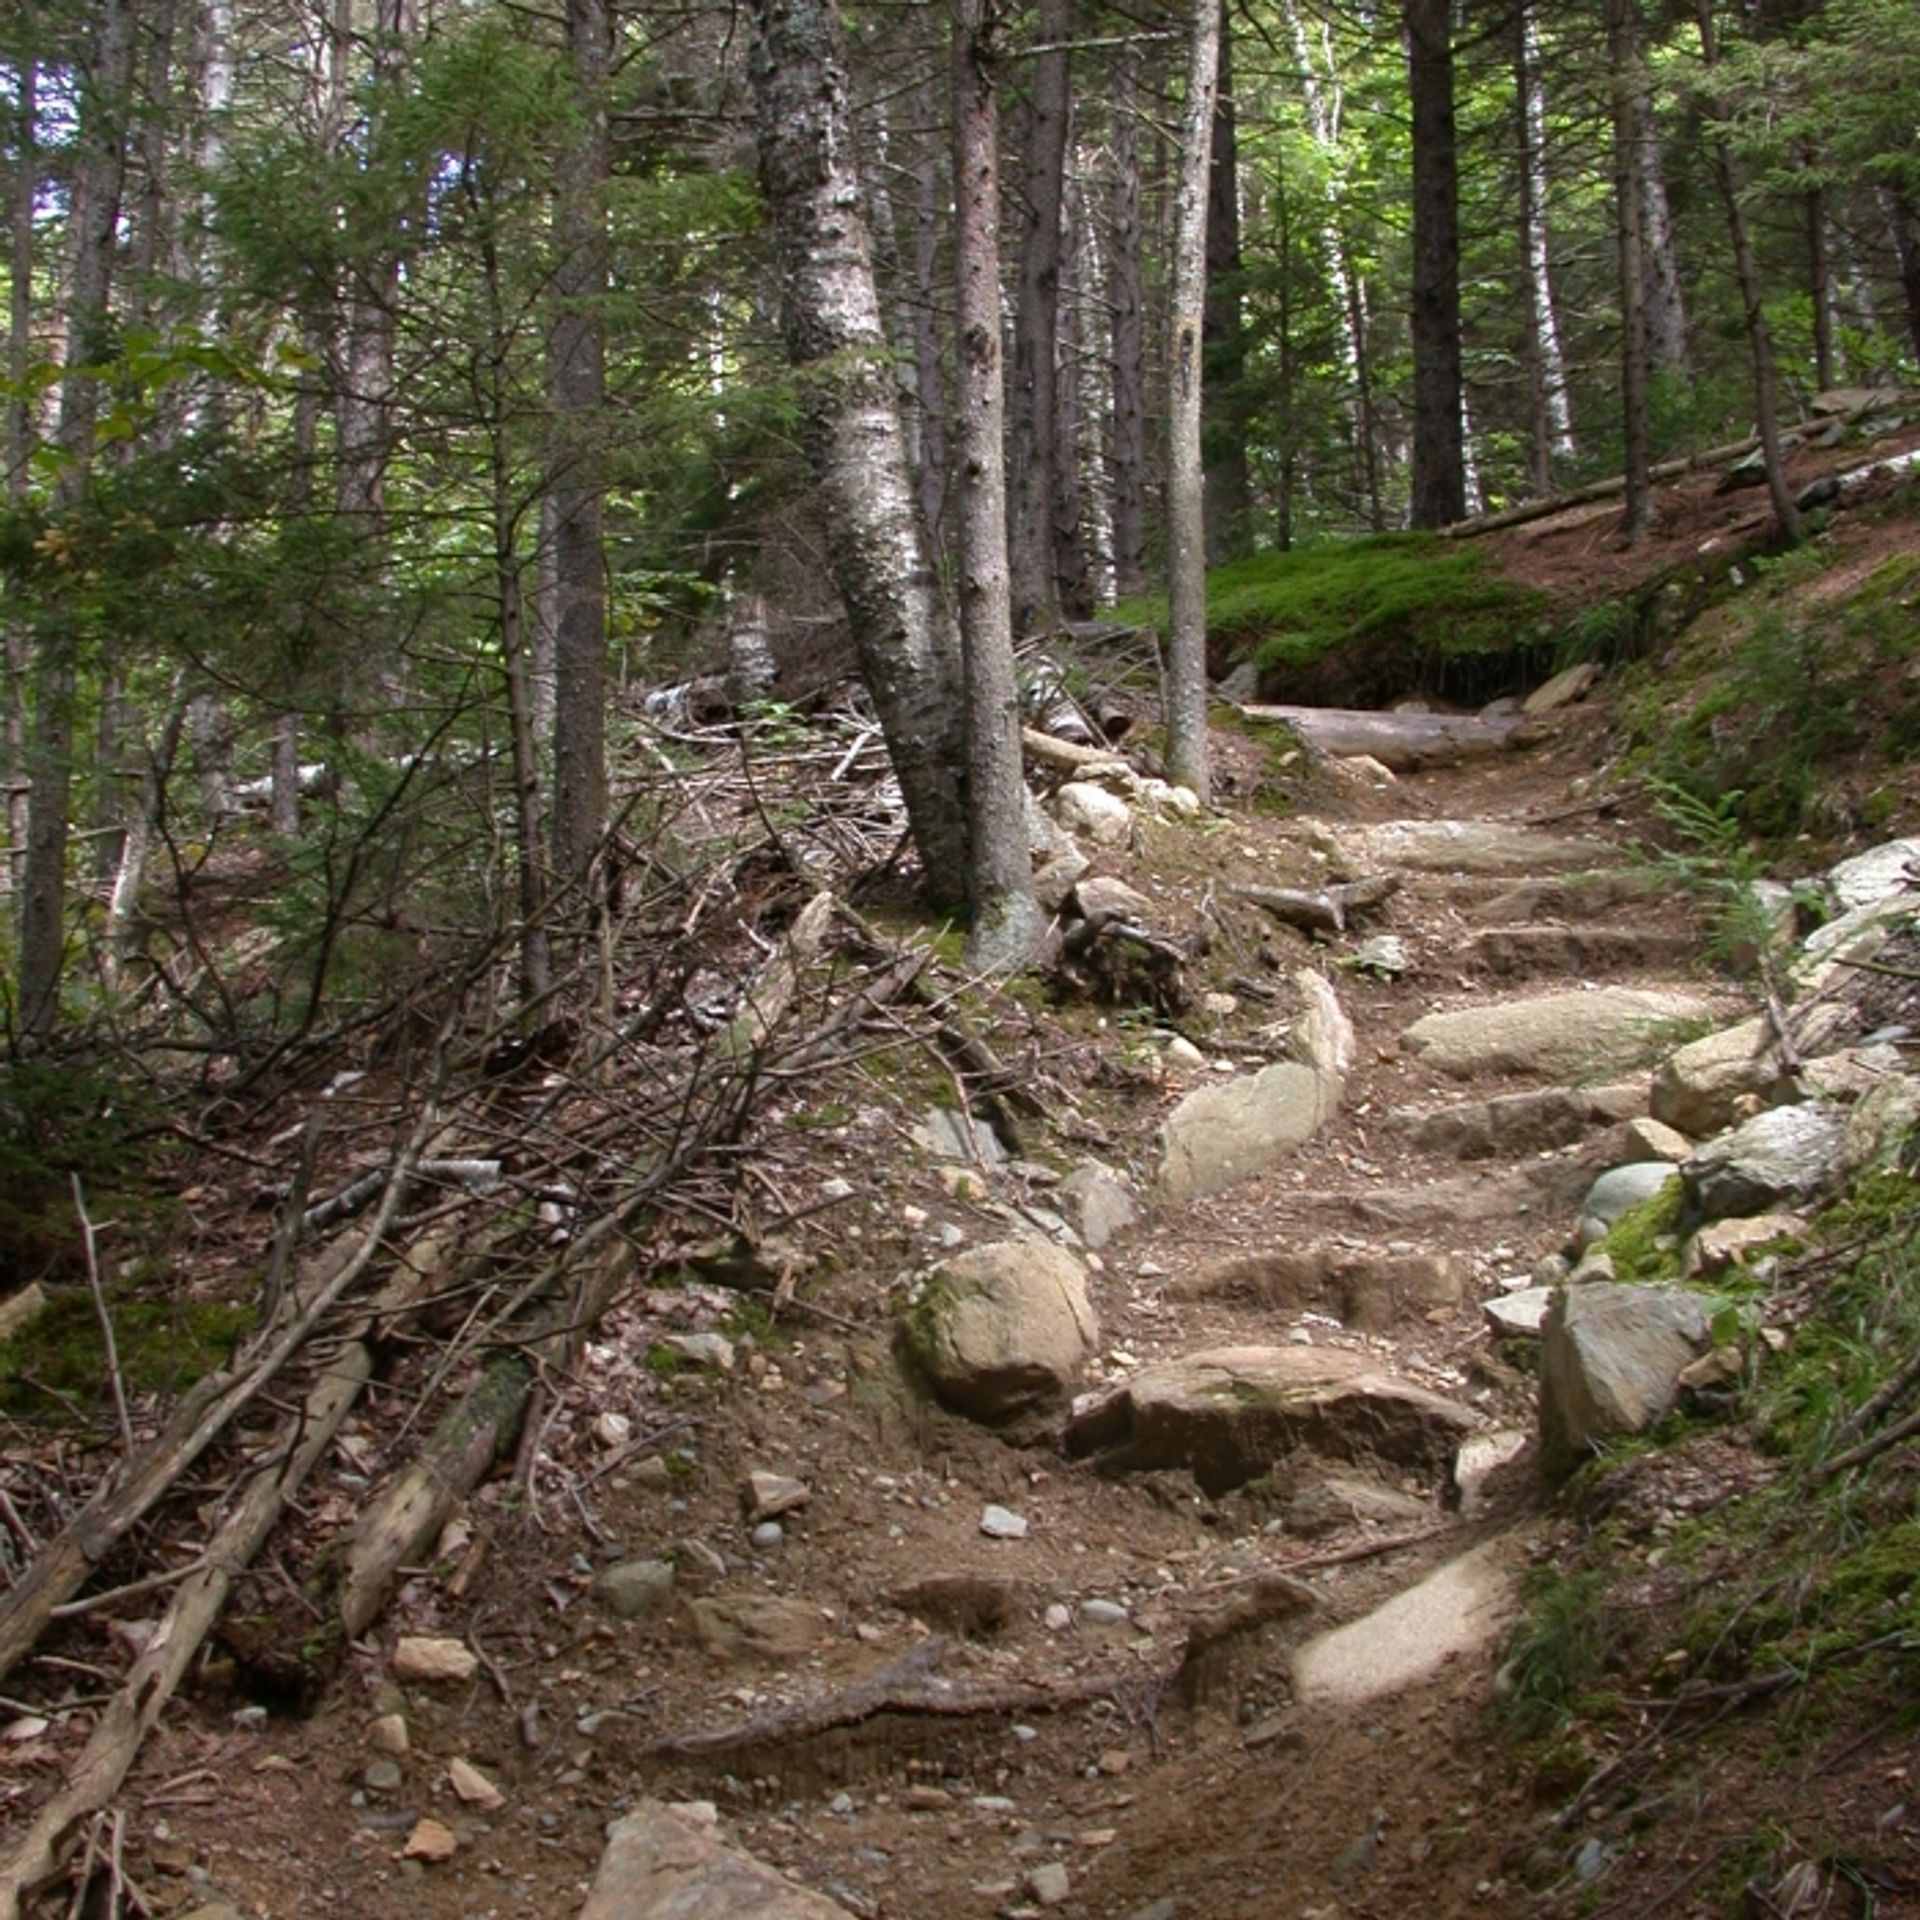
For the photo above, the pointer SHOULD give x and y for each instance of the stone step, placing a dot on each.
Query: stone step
(1480, 848)
(1577, 949)
(1564, 1036)
(1366, 1287)
(1580, 897)
(1511, 1124)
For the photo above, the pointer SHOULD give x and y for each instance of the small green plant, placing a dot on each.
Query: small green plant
(1559, 1650)
(1747, 933)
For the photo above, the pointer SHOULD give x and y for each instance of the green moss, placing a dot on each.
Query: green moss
(1366, 618)
(1644, 1243)
(58, 1359)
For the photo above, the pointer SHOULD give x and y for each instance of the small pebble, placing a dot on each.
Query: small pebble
(769, 1533)
(998, 1523)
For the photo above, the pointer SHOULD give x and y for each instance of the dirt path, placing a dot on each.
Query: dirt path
(1187, 1736)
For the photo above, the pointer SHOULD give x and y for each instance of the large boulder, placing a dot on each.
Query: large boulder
(1876, 875)
(1784, 1155)
(1233, 1413)
(661, 1865)
(1220, 1134)
(1002, 1331)
(1611, 1357)
(1562, 1035)
(1704, 1086)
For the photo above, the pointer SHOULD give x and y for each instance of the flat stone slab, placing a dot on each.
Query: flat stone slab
(1460, 1607)
(1477, 847)
(1576, 949)
(1564, 1035)
(1515, 1123)
(660, 1865)
(1220, 1134)
(1230, 1414)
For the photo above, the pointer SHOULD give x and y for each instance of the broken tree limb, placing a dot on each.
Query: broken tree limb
(1404, 741)
(1068, 755)
(62, 1566)
(1321, 909)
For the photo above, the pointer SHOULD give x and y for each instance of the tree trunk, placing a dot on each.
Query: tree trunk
(1666, 312)
(1224, 342)
(1820, 287)
(1033, 456)
(19, 447)
(99, 173)
(1551, 436)
(1903, 219)
(1747, 277)
(577, 378)
(1068, 536)
(928, 368)
(1128, 443)
(831, 317)
(1623, 57)
(1439, 474)
(1187, 756)
(1006, 919)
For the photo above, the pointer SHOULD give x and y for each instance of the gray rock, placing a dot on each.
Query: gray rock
(951, 1136)
(1220, 1134)
(767, 1535)
(1476, 847)
(1784, 1155)
(660, 1866)
(1611, 1357)
(1049, 1884)
(1876, 875)
(1322, 1036)
(1002, 1331)
(1566, 686)
(634, 1587)
(1104, 1613)
(1093, 814)
(1879, 1127)
(1002, 1523)
(1721, 1244)
(1330, 1502)
(1651, 1139)
(1558, 1034)
(765, 1496)
(1518, 1316)
(1618, 1191)
(1368, 1287)
(1702, 1087)
(703, 1349)
(1227, 1415)
(382, 1776)
(1576, 950)
(1481, 1459)
(1384, 954)
(1102, 897)
(1099, 1203)
(1544, 1187)
(1055, 878)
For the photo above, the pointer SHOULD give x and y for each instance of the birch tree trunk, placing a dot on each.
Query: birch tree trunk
(1666, 313)
(1128, 434)
(830, 315)
(1551, 436)
(577, 379)
(1626, 96)
(1006, 919)
(98, 177)
(1034, 454)
(1187, 757)
(1439, 473)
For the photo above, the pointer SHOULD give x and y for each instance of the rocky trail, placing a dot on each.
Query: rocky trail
(1184, 1595)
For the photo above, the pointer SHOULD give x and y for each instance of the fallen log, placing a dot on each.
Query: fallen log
(281, 1470)
(1403, 741)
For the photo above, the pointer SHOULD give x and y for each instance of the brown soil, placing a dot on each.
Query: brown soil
(1215, 1800)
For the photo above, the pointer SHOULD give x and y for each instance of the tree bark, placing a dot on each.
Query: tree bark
(1034, 453)
(577, 380)
(1666, 312)
(928, 369)
(1820, 287)
(99, 174)
(1128, 443)
(1623, 58)
(1747, 277)
(1903, 219)
(1187, 756)
(1439, 473)
(1064, 513)
(1224, 340)
(831, 318)
(19, 444)
(1551, 437)
(1006, 919)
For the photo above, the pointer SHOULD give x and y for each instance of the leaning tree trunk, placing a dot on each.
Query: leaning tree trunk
(1623, 55)
(1439, 471)
(99, 173)
(578, 381)
(1187, 758)
(831, 317)
(1006, 919)
(1035, 453)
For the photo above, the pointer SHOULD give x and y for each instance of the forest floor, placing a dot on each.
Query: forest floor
(1039, 1731)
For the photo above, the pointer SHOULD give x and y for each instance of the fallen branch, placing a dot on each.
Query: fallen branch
(63, 1565)
(906, 1685)
(1402, 741)
(1068, 756)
